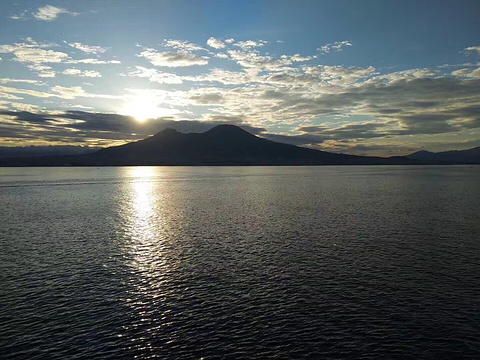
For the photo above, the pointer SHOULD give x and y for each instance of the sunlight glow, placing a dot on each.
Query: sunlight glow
(145, 107)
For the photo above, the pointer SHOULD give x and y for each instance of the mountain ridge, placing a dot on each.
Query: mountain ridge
(468, 156)
(222, 145)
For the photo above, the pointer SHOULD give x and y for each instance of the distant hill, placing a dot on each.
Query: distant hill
(221, 145)
(470, 156)
(52, 150)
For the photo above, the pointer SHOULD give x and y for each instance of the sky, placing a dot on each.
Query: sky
(365, 77)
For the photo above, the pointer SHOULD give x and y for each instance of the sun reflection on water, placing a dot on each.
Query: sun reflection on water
(145, 226)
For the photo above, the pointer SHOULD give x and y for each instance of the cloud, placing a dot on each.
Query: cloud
(230, 41)
(298, 58)
(155, 75)
(467, 73)
(249, 44)
(26, 81)
(336, 46)
(31, 51)
(12, 90)
(58, 91)
(473, 48)
(43, 70)
(182, 45)
(211, 98)
(50, 13)
(76, 91)
(84, 73)
(216, 43)
(172, 59)
(21, 16)
(90, 49)
(221, 76)
(257, 62)
(9, 96)
(339, 75)
(93, 61)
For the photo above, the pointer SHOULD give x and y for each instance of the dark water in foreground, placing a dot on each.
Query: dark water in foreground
(240, 263)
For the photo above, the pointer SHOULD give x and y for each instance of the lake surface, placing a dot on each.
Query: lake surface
(240, 262)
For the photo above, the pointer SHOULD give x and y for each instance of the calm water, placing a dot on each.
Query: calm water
(240, 263)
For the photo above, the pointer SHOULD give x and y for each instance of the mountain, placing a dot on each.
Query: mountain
(52, 150)
(221, 145)
(470, 156)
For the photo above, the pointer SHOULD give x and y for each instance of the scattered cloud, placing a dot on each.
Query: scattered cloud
(467, 73)
(216, 43)
(22, 16)
(336, 46)
(473, 48)
(90, 49)
(50, 13)
(182, 45)
(31, 51)
(155, 75)
(25, 81)
(81, 73)
(221, 55)
(222, 76)
(249, 44)
(93, 61)
(172, 59)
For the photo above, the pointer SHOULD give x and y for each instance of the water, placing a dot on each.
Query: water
(240, 263)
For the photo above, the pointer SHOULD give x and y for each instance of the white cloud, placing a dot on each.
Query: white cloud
(221, 55)
(255, 62)
(26, 81)
(35, 93)
(182, 45)
(467, 73)
(473, 48)
(248, 44)
(21, 16)
(9, 96)
(50, 13)
(339, 75)
(336, 46)
(221, 76)
(84, 73)
(93, 61)
(172, 59)
(32, 52)
(72, 72)
(91, 49)
(216, 43)
(58, 91)
(156, 76)
(68, 92)
(298, 58)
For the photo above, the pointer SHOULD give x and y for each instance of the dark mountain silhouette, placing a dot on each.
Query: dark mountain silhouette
(222, 145)
(470, 156)
(51, 150)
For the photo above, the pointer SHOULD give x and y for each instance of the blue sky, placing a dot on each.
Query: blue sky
(361, 77)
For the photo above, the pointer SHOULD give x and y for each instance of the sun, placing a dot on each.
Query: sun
(141, 108)
(145, 107)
